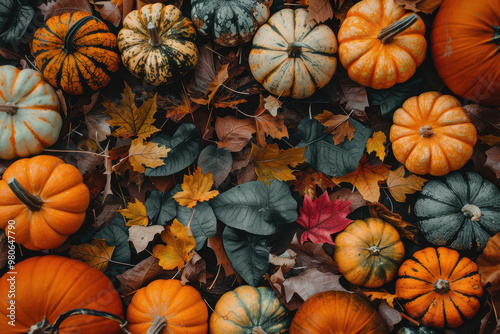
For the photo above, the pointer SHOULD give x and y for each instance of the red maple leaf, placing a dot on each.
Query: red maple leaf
(321, 218)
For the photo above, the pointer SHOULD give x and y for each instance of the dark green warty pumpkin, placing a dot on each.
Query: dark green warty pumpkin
(460, 211)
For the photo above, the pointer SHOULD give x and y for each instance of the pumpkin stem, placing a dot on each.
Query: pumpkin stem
(472, 212)
(295, 49)
(388, 33)
(68, 45)
(374, 250)
(258, 330)
(158, 325)
(496, 36)
(155, 39)
(426, 131)
(9, 107)
(43, 327)
(34, 203)
(442, 286)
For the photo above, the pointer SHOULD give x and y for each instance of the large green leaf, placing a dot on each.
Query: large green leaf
(203, 222)
(248, 253)
(185, 145)
(322, 153)
(15, 17)
(216, 160)
(255, 207)
(116, 234)
(160, 207)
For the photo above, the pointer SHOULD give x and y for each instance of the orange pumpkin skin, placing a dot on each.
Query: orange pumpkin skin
(367, 59)
(465, 44)
(181, 306)
(337, 312)
(47, 286)
(432, 134)
(65, 199)
(76, 52)
(439, 287)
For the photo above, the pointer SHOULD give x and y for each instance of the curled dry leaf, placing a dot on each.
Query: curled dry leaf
(308, 179)
(345, 194)
(195, 270)
(59, 7)
(405, 229)
(138, 276)
(285, 261)
(272, 104)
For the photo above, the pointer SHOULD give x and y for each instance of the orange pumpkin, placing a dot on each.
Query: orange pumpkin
(381, 44)
(76, 52)
(337, 312)
(465, 43)
(45, 198)
(432, 134)
(439, 287)
(168, 301)
(46, 287)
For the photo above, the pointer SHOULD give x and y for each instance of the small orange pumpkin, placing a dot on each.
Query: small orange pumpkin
(432, 134)
(45, 198)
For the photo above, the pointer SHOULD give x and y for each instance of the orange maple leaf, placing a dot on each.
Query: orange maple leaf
(308, 179)
(268, 124)
(339, 125)
(366, 178)
(400, 186)
(196, 188)
(179, 246)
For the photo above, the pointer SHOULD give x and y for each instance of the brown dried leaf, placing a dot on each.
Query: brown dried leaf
(307, 181)
(267, 124)
(96, 255)
(109, 11)
(195, 270)
(483, 117)
(339, 125)
(320, 10)
(405, 229)
(215, 243)
(311, 282)
(489, 268)
(137, 277)
(400, 186)
(272, 104)
(285, 261)
(60, 7)
(234, 133)
(493, 160)
(490, 140)
(346, 194)
(144, 154)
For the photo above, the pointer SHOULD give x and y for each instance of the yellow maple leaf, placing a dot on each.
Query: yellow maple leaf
(130, 119)
(339, 125)
(179, 246)
(147, 154)
(272, 163)
(96, 254)
(490, 140)
(365, 178)
(196, 188)
(135, 213)
(400, 186)
(376, 144)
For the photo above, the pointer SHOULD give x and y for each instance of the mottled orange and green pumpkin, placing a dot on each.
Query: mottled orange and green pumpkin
(76, 52)
(157, 43)
(368, 252)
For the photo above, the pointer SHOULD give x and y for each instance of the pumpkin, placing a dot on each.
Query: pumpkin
(293, 56)
(249, 310)
(157, 43)
(76, 52)
(381, 44)
(461, 211)
(465, 44)
(29, 113)
(46, 287)
(229, 22)
(432, 134)
(167, 302)
(439, 287)
(46, 198)
(337, 312)
(368, 252)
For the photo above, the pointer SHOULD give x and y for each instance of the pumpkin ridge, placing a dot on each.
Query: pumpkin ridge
(418, 261)
(462, 316)
(85, 85)
(247, 311)
(102, 66)
(59, 39)
(472, 273)
(415, 278)
(390, 259)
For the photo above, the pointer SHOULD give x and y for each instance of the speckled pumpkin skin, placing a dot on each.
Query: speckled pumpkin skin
(229, 22)
(368, 61)
(158, 65)
(300, 75)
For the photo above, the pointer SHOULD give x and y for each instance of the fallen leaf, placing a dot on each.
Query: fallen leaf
(109, 11)
(285, 261)
(490, 140)
(177, 107)
(267, 124)
(400, 186)
(313, 255)
(138, 276)
(321, 218)
(345, 194)
(97, 128)
(339, 125)
(272, 163)
(384, 295)
(215, 243)
(141, 236)
(96, 255)
(135, 213)
(195, 270)
(489, 268)
(366, 179)
(483, 117)
(311, 282)
(219, 79)
(389, 314)
(308, 179)
(376, 144)
(146, 154)
(196, 188)
(234, 133)
(130, 119)
(405, 229)
(179, 247)
(320, 10)
(60, 7)
(493, 160)
(426, 6)
(272, 104)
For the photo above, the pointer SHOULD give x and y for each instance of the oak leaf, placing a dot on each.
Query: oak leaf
(490, 140)
(140, 236)
(179, 247)
(272, 163)
(234, 133)
(366, 178)
(339, 125)
(320, 10)
(308, 179)
(97, 254)
(196, 188)
(135, 213)
(376, 144)
(144, 154)
(267, 124)
(400, 186)
(130, 119)
(493, 160)
(321, 218)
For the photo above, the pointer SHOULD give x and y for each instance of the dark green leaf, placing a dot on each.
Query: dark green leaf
(160, 207)
(216, 160)
(116, 234)
(14, 20)
(203, 223)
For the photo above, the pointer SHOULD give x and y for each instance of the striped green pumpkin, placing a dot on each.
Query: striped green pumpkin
(460, 211)
(157, 43)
